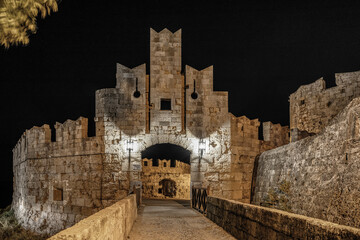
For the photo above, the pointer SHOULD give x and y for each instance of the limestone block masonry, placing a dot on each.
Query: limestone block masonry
(57, 183)
(153, 176)
(247, 221)
(317, 176)
(312, 106)
(113, 223)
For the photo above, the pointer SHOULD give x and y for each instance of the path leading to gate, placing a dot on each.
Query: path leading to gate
(169, 219)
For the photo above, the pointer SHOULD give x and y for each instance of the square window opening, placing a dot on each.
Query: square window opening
(165, 104)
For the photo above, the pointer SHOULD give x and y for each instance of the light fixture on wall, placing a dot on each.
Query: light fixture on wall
(130, 147)
(202, 147)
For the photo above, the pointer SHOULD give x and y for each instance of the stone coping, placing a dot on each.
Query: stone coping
(113, 222)
(245, 221)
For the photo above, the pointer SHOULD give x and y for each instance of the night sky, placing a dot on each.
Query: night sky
(261, 52)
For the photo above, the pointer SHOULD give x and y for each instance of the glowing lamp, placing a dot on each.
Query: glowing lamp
(129, 145)
(202, 147)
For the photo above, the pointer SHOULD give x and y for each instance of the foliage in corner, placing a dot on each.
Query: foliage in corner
(279, 198)
(11, 230)
(18, 19)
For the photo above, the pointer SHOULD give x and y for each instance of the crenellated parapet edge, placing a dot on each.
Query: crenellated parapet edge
(164, 165)
(342, 80)
(312, 106)
(64, 180)
(246, 147)
(275, 133)
(165, 47)
(71, 138)
(130, 78)
(245, 131)
(59, 182)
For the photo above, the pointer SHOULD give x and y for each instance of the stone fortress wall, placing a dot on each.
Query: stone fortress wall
(312, 106)
(60, 180)
(245, 147)
(58, 183)
(151, 177)
(318, 176)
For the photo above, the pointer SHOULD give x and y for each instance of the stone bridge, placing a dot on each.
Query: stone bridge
(83, 184)
(225, 219)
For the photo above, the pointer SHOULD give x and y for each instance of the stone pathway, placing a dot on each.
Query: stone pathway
(169, 219)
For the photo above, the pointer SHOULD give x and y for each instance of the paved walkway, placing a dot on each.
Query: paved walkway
(169, 219)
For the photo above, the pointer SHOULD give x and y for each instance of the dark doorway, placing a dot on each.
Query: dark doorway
(168, 187)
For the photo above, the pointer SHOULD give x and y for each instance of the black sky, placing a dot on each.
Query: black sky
(262, 51)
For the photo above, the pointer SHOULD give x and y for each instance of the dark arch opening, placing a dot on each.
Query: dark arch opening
(166, 151)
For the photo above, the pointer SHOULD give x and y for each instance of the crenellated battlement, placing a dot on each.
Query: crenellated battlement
(347, 78)
(67, 131)
(154, 179)
(243, 129)
(164, 165)
(128, 79)
(312, 106)
(71, 129)
(71, 137)
(61, 181)
(203, 78)
(276, 133)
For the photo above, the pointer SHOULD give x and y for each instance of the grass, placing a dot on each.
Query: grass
(10, 229)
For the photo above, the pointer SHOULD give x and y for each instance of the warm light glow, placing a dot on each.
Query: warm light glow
(130, 145)
(202, 146)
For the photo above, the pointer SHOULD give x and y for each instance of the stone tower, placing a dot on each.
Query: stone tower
(57, 183)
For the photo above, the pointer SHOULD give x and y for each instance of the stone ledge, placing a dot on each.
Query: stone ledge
(247, 221)
(114, 222)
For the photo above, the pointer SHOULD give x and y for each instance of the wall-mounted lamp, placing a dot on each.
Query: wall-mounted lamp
(130, 147)
(202, 147)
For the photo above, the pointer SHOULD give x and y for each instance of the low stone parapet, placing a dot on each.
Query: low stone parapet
(247, 221)
(114, 222)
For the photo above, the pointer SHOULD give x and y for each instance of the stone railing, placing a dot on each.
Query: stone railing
(247, 221)
(114, 222)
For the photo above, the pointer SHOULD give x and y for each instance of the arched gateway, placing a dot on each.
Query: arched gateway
(166, 172)
(58, 183)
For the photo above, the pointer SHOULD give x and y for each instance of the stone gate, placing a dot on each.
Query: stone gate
(57, 183)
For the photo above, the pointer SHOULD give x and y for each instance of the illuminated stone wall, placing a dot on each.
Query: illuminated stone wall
(151, 176)
(58, 183)
(122, 117)
(312, 106)
(245, 147)
(317, 176)
(248, 221)
(112, 223)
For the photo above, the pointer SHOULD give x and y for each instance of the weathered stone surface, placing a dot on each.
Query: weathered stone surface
(246, 221)
(114, 222)
(152, 176)
(90, 173)
(162, 220)
(322, 172)
(312, 106)
(245, 146)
